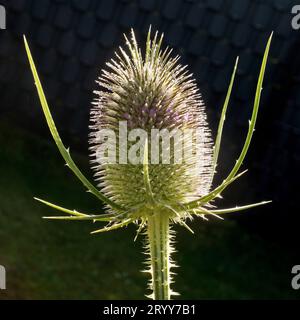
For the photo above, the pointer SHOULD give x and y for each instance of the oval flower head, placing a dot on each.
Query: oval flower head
(150, 100)
(152, 151)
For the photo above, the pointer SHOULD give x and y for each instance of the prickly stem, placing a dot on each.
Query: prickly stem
(158, 232)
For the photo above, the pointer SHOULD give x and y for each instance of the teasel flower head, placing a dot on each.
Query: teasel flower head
(142, 94)
(155, 94)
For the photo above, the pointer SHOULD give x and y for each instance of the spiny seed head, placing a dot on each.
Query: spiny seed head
(151, 92)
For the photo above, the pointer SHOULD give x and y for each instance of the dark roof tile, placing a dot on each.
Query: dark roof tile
(63, 17)
(171, 9)
(67, 43)
(129, 16)
(201, 69)
(153, 19)
(197, 44)
(195, 15)
(44, 36)
(86, 25)
(108, 35)
(22, 25)
(244, 63)
(52, 87)
(220, 54)
(240, 35)
(40, 9)
(244, 92)
(215, 4)
(49, 61)
(105, 9)
(238, 9)
(174, 34)
(281, 4)
(17, 5)
(72, 97)
(222, 79)
(262, 16)
(284, 25)
(147, 5)
(218, 26)
(88, 53)
(70, 71)
(81, 5)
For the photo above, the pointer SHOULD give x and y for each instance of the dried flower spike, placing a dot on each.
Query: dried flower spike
(154, 95)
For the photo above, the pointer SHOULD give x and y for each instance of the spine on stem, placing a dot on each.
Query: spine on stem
(160, 248)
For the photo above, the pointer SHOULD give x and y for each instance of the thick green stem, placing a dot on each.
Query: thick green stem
(159, 245)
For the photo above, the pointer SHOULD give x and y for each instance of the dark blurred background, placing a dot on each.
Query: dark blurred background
(249, 255)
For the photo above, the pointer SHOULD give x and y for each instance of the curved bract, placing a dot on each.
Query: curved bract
(153, 92)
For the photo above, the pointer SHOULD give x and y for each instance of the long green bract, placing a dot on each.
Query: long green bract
(222, 120)
(210, 196)
(74, 214)
(62, 149)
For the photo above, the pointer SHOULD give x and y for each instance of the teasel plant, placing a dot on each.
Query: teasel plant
(153, 91)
